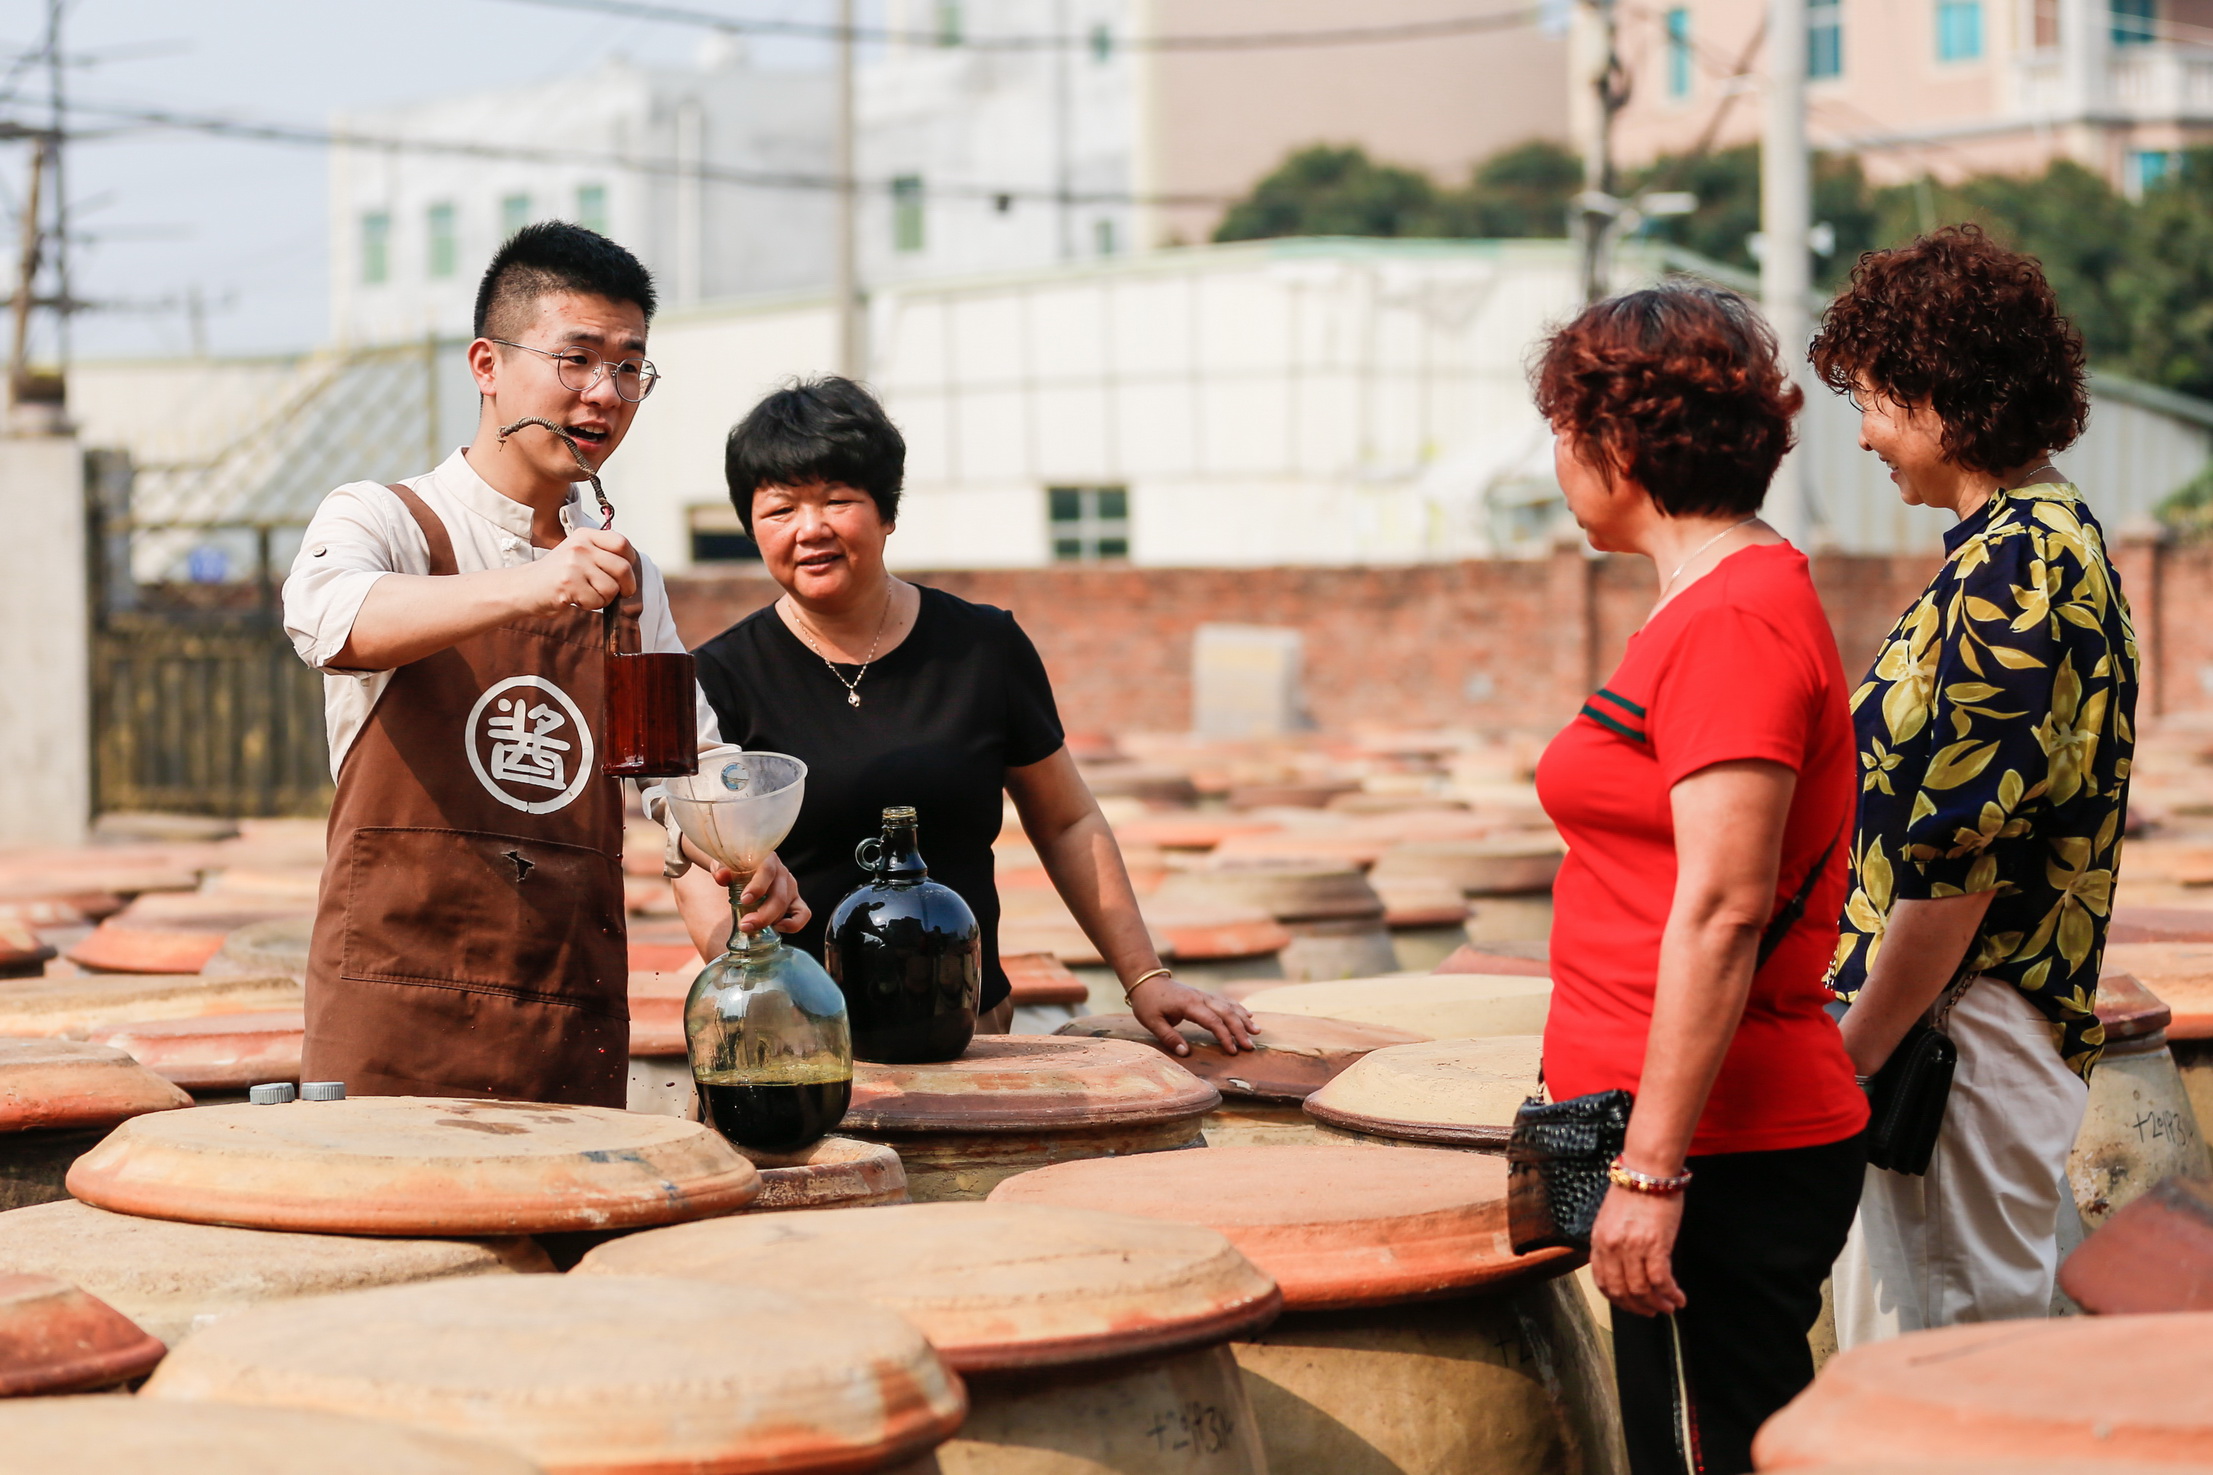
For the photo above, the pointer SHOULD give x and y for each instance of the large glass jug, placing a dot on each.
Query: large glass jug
(908, 953)
(764, 1025)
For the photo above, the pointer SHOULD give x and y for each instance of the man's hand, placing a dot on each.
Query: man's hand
(1160, 1004)
(590, 570)
(771, 898)
(1633, 1251)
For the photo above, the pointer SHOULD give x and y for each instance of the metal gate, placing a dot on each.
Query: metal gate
(199, 704)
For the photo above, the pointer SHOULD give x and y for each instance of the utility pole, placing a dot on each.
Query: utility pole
(35, 401)
(1609, 83)
(851, 354)
(1786, 222)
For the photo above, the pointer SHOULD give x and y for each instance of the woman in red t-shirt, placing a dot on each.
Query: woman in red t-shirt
(1703, 792)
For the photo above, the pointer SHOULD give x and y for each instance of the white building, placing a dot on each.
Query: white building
(1279, 402)
(994, 160)
(645, 155)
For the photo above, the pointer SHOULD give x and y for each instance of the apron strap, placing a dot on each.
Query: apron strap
(434, 531)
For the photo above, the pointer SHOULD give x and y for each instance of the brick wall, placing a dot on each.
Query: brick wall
(1504, 645)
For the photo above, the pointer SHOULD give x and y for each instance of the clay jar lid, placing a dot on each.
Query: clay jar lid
(61, 1084)
(599, 1375)
(22, 955)
(1023, 1083)
(1442, 1006)
(174, 932)
(265, 949)
(1288, 893)
(992, 1285)
(1335, 1226)
(78, 1005)
(833, 1173)
(1456, 1093)
(171, 1277)
(1041, 978)
(1293, 1054)
(1505, 865)
(1200, 930)
(2154, 1254)
(54, 1338)
(133, 1436)
(2131, 1013)
(2135, 1388)
(415, 1165)
(2180, 973)
(215, 1052)
(657, 1013)
(2160, 924)
(1507, 958)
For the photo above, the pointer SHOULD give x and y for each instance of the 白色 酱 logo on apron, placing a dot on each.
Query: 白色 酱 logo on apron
(529, 745)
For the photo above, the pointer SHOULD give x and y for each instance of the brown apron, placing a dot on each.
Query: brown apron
(470, 938)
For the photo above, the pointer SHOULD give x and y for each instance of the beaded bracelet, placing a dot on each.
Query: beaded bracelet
(1636, 1182)
(1142, 979)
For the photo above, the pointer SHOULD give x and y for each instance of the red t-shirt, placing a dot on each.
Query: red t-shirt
(1741, 665)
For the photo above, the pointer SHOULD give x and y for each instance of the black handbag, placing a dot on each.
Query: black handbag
(1906, 1098)
(1560, 1152)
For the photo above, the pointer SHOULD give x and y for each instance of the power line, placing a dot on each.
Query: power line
(771, 179)
(1443, 26)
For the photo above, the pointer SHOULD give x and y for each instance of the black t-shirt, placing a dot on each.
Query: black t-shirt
(943, 716)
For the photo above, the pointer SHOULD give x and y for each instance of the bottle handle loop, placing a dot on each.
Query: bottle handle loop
(869, 854)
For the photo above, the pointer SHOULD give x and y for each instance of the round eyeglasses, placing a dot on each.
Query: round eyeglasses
(580, 368)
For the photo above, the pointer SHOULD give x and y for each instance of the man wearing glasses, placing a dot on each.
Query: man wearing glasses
(470, 936)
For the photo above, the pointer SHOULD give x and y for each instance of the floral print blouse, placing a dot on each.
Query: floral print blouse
(1994, 742)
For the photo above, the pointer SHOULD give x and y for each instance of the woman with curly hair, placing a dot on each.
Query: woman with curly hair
(1994, 740)
(1705, 792)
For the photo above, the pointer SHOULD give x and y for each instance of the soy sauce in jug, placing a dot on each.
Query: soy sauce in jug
(907, 952)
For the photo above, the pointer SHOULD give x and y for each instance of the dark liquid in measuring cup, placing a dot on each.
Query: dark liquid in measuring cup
(652, 728)
(774, 1116)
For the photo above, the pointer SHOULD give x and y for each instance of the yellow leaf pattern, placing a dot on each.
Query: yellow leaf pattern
(1995, 736)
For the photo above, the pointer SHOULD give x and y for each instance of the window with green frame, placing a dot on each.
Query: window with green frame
(514, 214)
(906, 213)
(2135, 22)
(591, 207)
(1958, 30)
(1824, 38)
(444, 253)
(1678, 52)
(1088, 524)
(948, 27)
(376, 247)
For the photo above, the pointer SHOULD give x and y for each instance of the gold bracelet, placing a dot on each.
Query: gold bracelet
(1626, 1177)
(1143, 979)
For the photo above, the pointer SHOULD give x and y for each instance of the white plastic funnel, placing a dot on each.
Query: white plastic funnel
(739, 806)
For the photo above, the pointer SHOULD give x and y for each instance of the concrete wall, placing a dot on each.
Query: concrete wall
(45, 656)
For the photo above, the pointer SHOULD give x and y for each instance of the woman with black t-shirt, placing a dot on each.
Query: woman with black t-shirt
(895, 694)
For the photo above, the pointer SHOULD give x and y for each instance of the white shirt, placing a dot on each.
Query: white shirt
(363, 532)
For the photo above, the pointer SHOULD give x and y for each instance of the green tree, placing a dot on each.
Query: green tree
(2074, 223)
(1727, 185)
(2166, 295)
(1327, 191)
(1521, 191)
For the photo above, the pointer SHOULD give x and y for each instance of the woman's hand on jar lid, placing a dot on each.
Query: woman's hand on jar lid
(1160, 1004)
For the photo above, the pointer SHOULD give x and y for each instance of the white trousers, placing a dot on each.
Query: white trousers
(1976, 1238)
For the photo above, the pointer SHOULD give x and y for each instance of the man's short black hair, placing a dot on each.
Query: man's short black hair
(827, 430)
(555, 256)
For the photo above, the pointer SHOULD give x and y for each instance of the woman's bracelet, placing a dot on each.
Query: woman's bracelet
(1636, 1182)
(1141, 980)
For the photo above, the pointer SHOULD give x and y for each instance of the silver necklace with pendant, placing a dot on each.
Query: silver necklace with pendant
(852, 688)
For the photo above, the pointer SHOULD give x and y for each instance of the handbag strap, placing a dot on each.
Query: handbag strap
(1787, 915)
(1778, 927)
